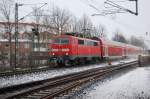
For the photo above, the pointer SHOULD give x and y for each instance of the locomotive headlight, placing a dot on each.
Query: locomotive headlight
(53, 54)
(66, 53)
(65, 49)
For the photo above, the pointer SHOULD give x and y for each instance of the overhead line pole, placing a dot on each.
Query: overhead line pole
(136, 7)
(16, 34)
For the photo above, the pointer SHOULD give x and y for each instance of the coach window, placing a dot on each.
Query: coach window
(95, 44)
(81, 42)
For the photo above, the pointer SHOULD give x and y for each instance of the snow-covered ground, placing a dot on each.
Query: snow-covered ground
(134, 84)
(18, 79)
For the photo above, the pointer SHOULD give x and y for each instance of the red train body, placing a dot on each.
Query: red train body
(70, 49)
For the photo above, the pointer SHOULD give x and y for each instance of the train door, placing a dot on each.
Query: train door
(102, 54)
(76, 46)
(123, 52)
(106, 51)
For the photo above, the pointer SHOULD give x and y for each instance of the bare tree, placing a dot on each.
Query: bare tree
(37, 16)
(6, 12)
(85, 25)
(118, 36)
(47, 22)
(75, 25)
(60, 18)
(100, 31)
(137, 42)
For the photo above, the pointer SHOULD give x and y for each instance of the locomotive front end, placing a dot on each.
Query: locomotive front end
(60, 50)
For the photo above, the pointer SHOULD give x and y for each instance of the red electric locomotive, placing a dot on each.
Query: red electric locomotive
(67, 49)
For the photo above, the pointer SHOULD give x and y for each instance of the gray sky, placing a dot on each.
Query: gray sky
(129, 24)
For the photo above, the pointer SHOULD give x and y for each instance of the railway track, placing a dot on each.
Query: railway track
(53, 87)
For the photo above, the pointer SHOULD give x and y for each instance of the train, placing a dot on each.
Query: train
(73, 50)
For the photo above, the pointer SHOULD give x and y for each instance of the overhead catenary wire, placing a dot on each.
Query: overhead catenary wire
(32, 12)
(92, 4)
(113, 4)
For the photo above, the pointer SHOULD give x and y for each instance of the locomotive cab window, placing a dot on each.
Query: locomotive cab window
(88, 43)
(81, 42)
(95, 44)
(61, 40)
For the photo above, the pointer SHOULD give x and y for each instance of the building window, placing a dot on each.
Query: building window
(26, 45)
(43, 45)
(6, 45)
(5, 53)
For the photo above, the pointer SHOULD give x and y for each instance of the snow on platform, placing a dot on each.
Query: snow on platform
(24, 78)
(134, 84)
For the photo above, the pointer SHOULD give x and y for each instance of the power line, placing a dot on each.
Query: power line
(32, 12)
(113, 8)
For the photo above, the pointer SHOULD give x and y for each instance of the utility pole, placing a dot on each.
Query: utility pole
(33, 46)
(38, 42)
(136, 7)
(16, 35)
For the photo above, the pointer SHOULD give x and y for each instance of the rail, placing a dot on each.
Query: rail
(49, 88)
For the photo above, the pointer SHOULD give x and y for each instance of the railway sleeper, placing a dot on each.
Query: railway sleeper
(55, 90)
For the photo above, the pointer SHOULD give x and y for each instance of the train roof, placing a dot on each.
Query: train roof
(96, 40)
(107, 42)
(115, 43)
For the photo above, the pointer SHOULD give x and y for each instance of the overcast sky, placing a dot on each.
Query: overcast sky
(129, 24)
